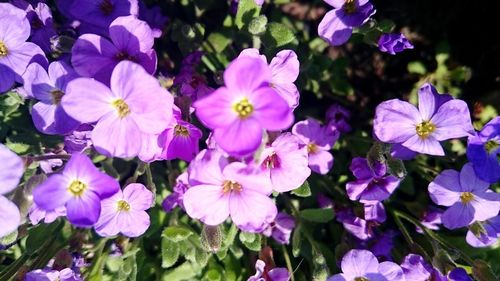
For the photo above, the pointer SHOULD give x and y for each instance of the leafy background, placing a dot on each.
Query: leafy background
(456, 49)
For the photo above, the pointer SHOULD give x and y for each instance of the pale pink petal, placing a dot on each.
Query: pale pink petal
(249, 177)
(131, 34)
(270, 109)
(241, 138)
(285, 67)
(321, 162)
(84, 105)
(216, 109)
(138, 196)
(257, 73)
(207, 203)
(252, 211)
(133, 223)
(206, 168)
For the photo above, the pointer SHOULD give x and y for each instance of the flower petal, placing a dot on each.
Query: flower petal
(207, 203)
(215, 110)
(94, 56)
(257, 74)
(52, 193)
(429, 100)
(333, 30)
(138, 196)
(12, 169)
(458, 215)
(391, 271)
(358, 263)
(469, 181)
(395, 121)
(10, 218)
(270, 109)
(251, 211)
(241, 138)
(285, 67)
(428, 145)
(452, 120)
(445, 189)
(84, 211)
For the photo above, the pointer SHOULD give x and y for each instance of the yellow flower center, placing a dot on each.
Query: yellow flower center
(121, 107)
(312, 148)
(76, 188)
(491, 146)
(56, 96)
(228, 186)
(106, 7)
(122, 205)
(181, 131)
(424, 129)
(361, 279)
(350, 7)
(466, 197)
(243, 107)
(3, 49)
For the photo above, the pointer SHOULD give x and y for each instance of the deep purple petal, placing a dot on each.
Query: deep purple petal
(333, 30)
(458, 215)
(84, 211)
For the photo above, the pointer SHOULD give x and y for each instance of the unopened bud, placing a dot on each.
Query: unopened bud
(211, 238)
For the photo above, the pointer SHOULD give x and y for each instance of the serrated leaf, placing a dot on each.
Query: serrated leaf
(169, 252)
(247, 10)
(176, 233)
(277, 35)
(303, 191)
(317, 215)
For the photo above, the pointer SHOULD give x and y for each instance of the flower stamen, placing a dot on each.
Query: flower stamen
(76, 188)
(243, 107)
(121, 107)
(106, 7)
(180, 130)
(350, 6)
(228, 186)
(466, 197)
(123, 205)
(3, 49)
(312, 148)
(424, 129)
(56, 96)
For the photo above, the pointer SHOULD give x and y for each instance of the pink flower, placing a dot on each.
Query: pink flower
(286, 163)
(239, 112)
(136, 105)
(219, 190)
(318, 140)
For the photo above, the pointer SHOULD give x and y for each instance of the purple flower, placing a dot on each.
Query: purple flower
(486, 234)
(483, 150)
(336, 26)
(42, 26)
(459, 274)
(281, 228)
(337, 118)
(48, 165)
(393, 43)
(363, 265)
(52, 275)
(219, 190)
(131, 40)
(285, 69)
(136, 105)
(79, 140)
(49, 88)
(375, 211)
(36, 214)
(125, 212)
(10, 174)
(400, 152)
(370, 184)
(358, 227)
(175, 199)
(383, 244)
(286, 163)
(181, 140)
(240, 111)
(438, 118)
(318, 140)
(264, 274)
(98, 14)
(15, 52)
(467, 196)
(80, 187)
(416, 268)
(154, 17)
(431, 219)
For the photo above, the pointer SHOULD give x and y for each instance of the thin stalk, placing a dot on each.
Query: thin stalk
(288, 262)
(49, 157)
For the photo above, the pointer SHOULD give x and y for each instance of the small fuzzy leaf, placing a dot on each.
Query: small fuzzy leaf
(169, 252)
(303, 191)
(176, 233)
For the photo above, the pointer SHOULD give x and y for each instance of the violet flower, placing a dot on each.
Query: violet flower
(154, 17)
(181, 139)
(42, 26)
(80, 187)
(125, 212)
(431, 219)
(337, 118)
(485, 235)
(467, 196)
(79, 140)
(240, 111)
(281, 228)
(318, 140)
(10, 174)
(370, 184)
(175, 199)
(275, 274)
(285, 162)
(219, 190)
(459, 274)
(415, 268)
(131, 40)
(53, 275)
(49, 87)
(483, 151)
(15, 52)
(439, 117)
(37, 214)
(393, 43)
(356, 226)
(363, 265)
(337, 25)
(136, 105)
(285, 69)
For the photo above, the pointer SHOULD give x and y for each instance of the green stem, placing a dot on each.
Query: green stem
(49, 157)
(433, 236)
(288, 262)
(149, 179)
(98, 260)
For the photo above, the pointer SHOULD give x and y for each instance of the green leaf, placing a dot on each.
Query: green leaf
(38, 236)
(218, 42)
(303, 191)
(177, 233)
(258, 25)
(251, 240)
(386, 26)
(417, 67)
(297, 240)
(482, 271)
(128, 269)
(247, 10)
(277, 35)
(317, 215)
(169, 252)
(186, 271)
